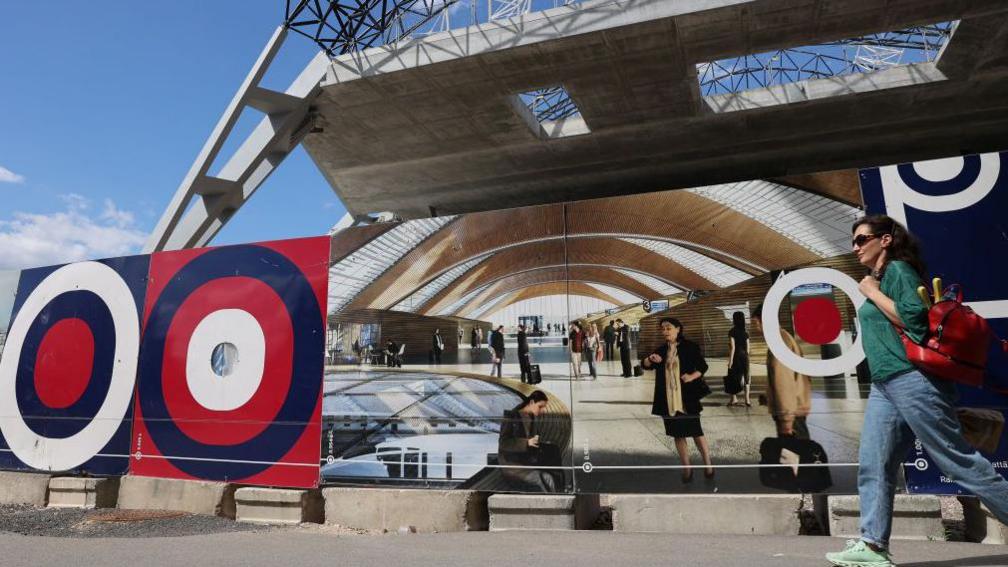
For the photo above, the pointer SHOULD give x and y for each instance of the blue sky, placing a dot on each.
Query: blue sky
(105, 105)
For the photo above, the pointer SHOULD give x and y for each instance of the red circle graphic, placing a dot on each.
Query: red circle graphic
(817, 321)
(64, 363)
(241, 424)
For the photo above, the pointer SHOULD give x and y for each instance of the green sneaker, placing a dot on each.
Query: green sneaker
(858, 554)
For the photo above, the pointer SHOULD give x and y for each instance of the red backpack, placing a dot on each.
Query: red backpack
(957, 343)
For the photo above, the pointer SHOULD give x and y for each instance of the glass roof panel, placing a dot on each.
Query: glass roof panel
(659, 285)
(716, 271)
(822, 225)
(415, 300)
(355, 272)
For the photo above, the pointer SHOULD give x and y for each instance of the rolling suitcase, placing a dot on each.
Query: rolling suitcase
(535, 376)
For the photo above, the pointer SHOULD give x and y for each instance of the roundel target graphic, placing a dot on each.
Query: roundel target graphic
(230, 376)
(68, 369)
(942, 185)
(817, 330)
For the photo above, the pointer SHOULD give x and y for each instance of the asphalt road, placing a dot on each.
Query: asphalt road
(309, 546)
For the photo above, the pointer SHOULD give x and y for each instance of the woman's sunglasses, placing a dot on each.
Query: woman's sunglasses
(862, 239)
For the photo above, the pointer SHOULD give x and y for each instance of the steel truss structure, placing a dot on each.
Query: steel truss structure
(864, 54)
(343, 26)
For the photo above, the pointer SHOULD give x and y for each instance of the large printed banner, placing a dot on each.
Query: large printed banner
(69, 366)
(222, 347)
(957, 207)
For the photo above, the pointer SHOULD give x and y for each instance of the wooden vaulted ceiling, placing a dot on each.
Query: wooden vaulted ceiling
(586, 274)
(597, 251)
(691, 220)
(569, 288)
(517, 244)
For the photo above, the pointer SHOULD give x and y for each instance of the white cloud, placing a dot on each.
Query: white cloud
(8, 176)
(31, 239)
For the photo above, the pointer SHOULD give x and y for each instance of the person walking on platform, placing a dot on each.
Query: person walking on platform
(623, 341)
(738, 379)
(438, 345)
(591, 346)
(523, 356)
(789, 393)
(679, 366)
(576, 344)
(497, 350)
(609, 334)
(904, 402)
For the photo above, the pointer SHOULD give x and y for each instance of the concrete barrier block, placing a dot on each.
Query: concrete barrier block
(278, 505)
(536, 512)
(915, 517)
(78, 492)
(733, 514)
(194, 496)
(390, 509)
(981, 525)
(24, 488)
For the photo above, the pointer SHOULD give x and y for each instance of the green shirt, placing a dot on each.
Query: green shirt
(882, 344)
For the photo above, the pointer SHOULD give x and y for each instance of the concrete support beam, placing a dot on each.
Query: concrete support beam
(915, 517)
(540, 512)
(23, 488)
(391, 509)
(194, 496)
(79, 492)
(707, 513)
(981, 525)
(278, 506)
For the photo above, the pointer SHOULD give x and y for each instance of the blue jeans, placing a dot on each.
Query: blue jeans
(909, 405)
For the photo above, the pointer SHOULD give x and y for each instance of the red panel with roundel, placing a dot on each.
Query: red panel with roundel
(229, 382)
(68, 367)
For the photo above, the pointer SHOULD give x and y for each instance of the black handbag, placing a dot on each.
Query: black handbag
(702, 388)
(808, 452)
(535, 375)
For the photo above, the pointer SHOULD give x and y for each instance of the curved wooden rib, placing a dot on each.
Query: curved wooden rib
(605, 276)
(610, 252)
(552, 288)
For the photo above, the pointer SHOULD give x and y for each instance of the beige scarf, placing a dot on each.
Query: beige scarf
(673, 385)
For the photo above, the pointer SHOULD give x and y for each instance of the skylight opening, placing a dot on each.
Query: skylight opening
(863, 54)
(552, 113)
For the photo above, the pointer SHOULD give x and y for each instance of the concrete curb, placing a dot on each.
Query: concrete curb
(740, 514)
(24, 488)
(390, 509)
(194, 496)
(981, 525)
(278, 506)
(80, 492)
(915, 517)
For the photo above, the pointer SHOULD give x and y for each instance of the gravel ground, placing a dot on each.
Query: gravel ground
(72, 522)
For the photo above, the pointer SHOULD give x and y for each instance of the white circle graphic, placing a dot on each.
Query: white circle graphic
(771, 326)
(226, 393)
(896, 189)
(45, 453)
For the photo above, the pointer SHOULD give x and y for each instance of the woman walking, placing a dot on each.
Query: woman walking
(591, 345)
(576, 344)
(678, 366)
(737, 379)
(904, 402)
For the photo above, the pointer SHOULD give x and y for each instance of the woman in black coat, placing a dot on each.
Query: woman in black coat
(679, 366)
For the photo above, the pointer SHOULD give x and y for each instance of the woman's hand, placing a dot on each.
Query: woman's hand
(654, 358)
(686, 378)
(869, 286)
(534, 441)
